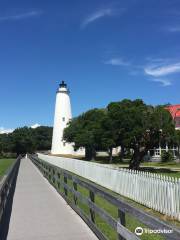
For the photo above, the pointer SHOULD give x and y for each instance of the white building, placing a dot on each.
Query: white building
(62, 116)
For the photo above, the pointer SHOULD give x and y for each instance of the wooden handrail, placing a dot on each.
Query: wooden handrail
(59, 177)
(6, 186)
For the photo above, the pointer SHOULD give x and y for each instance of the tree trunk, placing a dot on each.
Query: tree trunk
(121, 155)
(136, 158)
(110, 155)
(93, 153)
(90, 153)
(87, 153)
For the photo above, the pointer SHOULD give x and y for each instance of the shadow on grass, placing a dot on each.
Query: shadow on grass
(157, 170)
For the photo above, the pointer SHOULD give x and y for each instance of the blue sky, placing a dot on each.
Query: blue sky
(105, 51)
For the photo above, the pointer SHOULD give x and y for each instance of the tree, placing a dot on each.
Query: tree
(85, 131)
(140, 127)
(23, 141)
(177, 142)
(115, 112)
(42, 137)
(26, 139)
(6, 143)
(126, 116)
(154, 127)
(130, 124)
(109, 135)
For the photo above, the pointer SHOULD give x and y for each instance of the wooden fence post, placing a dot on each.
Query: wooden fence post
(59, 180)
(65, 189)
(49, 173)
(92, 213)
(53, 179)
(122, 220)
(75, 188)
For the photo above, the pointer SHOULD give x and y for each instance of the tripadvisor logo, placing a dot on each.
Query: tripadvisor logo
(139, 231)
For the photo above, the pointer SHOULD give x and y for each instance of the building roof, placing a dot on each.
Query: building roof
(174, 110)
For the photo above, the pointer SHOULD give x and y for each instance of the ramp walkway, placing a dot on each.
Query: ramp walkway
(40, 213)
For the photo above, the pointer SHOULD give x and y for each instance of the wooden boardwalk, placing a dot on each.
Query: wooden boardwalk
(40, 213)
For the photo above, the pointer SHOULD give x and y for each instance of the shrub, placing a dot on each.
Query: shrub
(167, 157)
(8, 155)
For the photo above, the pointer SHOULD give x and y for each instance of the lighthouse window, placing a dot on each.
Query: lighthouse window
(63, 119)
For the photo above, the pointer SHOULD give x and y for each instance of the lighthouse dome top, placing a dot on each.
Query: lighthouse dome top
(63, 84)
(63, 87)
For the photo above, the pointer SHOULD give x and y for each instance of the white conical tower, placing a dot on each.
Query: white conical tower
(61, 117)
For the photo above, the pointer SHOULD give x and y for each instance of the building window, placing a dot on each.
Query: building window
(64, 144)
(63, 119)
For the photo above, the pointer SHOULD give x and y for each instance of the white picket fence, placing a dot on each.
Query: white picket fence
(155, 191)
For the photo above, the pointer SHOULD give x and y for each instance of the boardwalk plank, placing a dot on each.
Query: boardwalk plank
(39, 212)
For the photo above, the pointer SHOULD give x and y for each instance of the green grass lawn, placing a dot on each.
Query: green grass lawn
(168, 169)
(162, 164)
(116, 162)
(171, 169)
(164, 172)
(108, 231)
(4, 165)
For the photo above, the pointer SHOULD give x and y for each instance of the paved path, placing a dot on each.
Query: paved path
(40, 213)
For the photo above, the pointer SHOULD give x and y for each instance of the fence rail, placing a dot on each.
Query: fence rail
(161, 193)
(6, 186)
(59, 177)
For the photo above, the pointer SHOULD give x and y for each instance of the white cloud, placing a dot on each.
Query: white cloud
(20, 16)
(159, 68)
(156, 68)
(117, 62)
(164, 82)
(4, 130)
(174, 29)
(36, 125)
(157, 71)
(106, 12)
(9, 130)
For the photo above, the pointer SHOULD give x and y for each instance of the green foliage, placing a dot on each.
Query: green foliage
(129, 124)
(176, 141)
(85, 131)
(7, 155)
(167, 156)
(25, 139)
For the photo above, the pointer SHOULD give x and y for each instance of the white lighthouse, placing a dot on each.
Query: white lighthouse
(61, 117)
